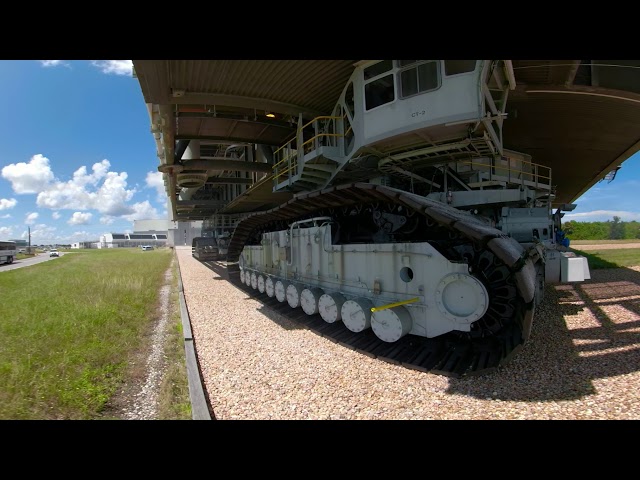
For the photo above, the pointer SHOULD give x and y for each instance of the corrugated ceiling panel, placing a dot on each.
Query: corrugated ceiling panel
(543, 72)
(532, 71)
(314, 84)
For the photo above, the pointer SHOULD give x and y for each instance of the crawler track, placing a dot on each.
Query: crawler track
(500, 261)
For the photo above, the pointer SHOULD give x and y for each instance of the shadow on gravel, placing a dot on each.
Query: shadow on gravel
(220, 269)
(272, 312)
(563, 355)
(581, 332)
(270, 308)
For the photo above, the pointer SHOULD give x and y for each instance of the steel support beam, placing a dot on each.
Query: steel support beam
(209, 99)
(232, 140)
(225, 164)
(201, 203)
(230, 180)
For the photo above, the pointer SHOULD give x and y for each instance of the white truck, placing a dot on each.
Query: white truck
(8, 252)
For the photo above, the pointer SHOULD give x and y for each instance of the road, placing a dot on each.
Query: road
(25, 262)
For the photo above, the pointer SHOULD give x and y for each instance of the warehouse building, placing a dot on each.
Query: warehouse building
(157, 233)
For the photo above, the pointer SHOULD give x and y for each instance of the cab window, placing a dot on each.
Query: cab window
(418, 76)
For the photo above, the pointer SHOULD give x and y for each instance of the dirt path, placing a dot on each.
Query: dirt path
(138, 397)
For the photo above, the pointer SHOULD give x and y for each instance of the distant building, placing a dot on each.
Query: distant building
(20, 243)
(178, 233)
(119, 240)
(183, 233)
(151, 226)
(92, 244)
(158, 233)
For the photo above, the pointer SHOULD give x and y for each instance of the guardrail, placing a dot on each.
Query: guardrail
(324, 133)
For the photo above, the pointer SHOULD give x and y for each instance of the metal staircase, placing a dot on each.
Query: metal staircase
(310, 159)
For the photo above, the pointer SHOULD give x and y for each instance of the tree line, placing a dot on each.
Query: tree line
(614, 229)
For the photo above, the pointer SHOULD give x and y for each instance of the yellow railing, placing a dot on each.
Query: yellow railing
(289, 155)
(286, 157)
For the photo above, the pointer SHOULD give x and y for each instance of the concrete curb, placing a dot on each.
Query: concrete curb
(199, 405)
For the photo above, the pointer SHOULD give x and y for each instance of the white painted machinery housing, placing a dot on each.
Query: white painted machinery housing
(344, 282)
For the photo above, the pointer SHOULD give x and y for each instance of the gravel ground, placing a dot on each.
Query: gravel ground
(581, 362)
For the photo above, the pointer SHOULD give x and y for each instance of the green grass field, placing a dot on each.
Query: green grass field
(69, 327)
(602, 242)
(614, 258)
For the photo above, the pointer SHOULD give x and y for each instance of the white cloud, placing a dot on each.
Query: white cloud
(108, 198)
(84, 236)
(42, 233)
(5, 216)
(54, 63)
(32, 177)
(117, 67)
(601, 216)
(100, 170)
(155, 180)
(31, 218)
(142, 211)
(79, 218)
(6, 232)
(7, 204)
(88, 189)
(114, 194)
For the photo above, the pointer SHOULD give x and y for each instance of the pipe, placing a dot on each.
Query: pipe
(168, 123)
(156, 135)
(187, 193)
(191, 150)
(267, 153)
(181, 147)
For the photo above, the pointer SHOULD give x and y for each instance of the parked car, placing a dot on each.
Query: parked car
(147, 247)
(54, 253)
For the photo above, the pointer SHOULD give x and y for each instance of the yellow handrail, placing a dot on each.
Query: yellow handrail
(324, 117)
(321, 135)
(294, 154)
(277, 150)
(284, 171)
(292, 158)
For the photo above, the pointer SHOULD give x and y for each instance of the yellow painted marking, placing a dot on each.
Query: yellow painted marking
(391, 305)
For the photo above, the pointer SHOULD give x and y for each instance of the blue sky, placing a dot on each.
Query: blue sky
(604, 200)
(77, 158)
